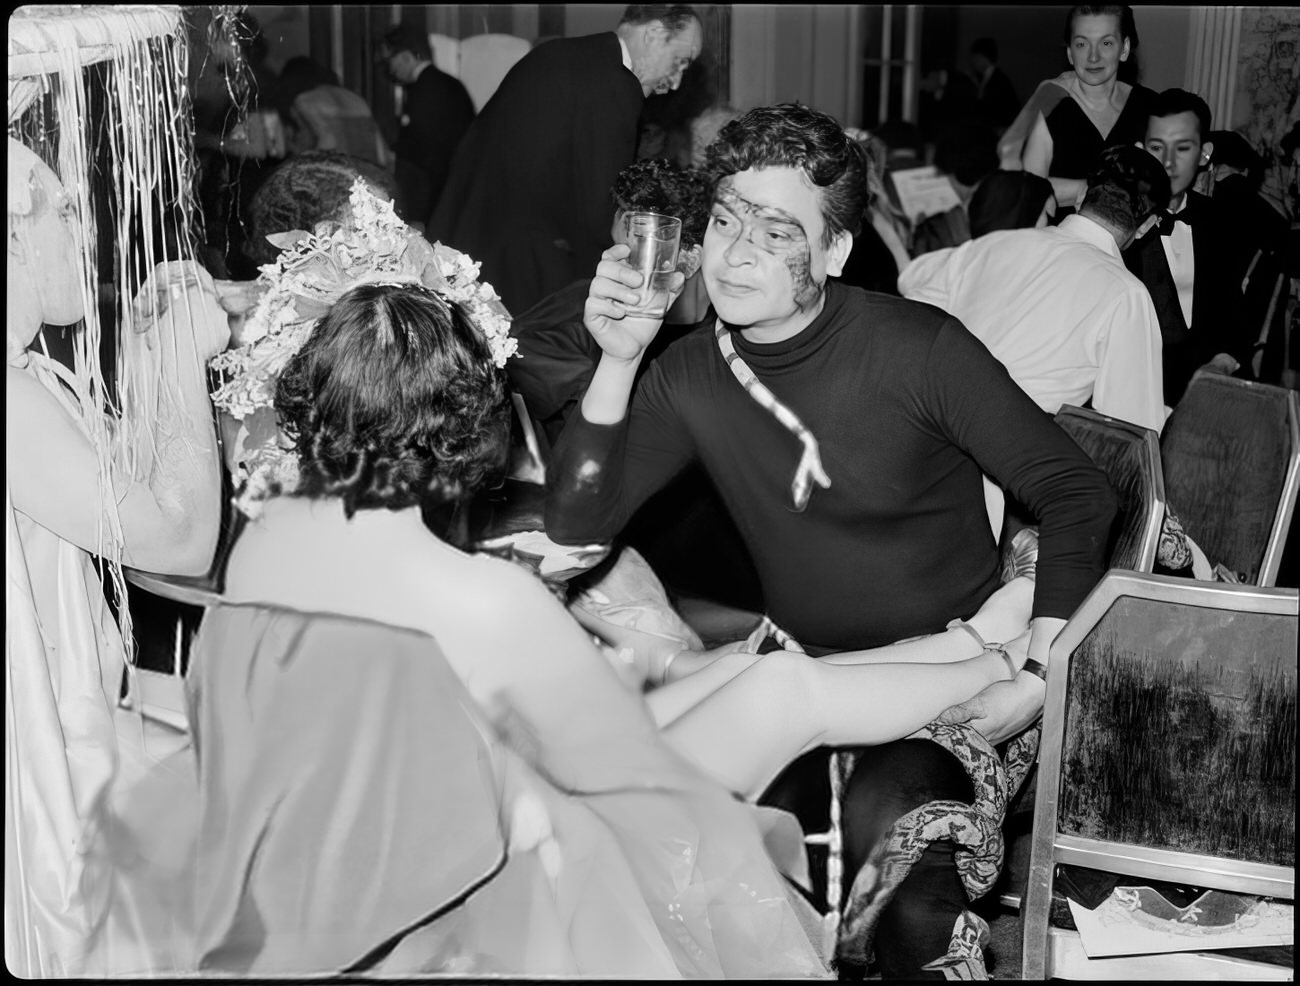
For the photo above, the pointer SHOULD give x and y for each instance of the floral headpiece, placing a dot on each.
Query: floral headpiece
(312, 272)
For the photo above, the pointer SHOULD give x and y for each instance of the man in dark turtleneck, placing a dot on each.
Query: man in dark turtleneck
(846, 432)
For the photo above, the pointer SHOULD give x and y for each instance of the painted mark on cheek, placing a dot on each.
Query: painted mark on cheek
(799, 264)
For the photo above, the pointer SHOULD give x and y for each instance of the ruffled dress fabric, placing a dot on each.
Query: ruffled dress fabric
(63, 665)
(358, 811)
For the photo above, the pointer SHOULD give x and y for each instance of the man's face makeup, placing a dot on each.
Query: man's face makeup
(764, 264)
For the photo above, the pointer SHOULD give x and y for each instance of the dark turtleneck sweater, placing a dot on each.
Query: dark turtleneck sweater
(908, 408)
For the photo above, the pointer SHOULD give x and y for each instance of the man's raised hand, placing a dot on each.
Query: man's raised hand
(613, 289)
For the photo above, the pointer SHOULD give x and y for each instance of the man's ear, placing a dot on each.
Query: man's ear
(655, 30)
(1207, 151)
(838, 254)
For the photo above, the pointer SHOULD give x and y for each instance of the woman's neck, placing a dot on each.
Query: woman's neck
(1098, 97)
(328, 521)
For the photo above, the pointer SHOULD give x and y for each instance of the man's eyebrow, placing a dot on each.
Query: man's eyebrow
(726, 196)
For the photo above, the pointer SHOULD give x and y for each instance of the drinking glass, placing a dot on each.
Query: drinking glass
(654, 240)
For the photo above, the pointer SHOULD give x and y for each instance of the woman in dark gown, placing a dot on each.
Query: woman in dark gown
(1088, 109)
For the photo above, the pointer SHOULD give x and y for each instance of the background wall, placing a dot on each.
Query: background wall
(1268, 96)
(806, 52)
(1031, 46)
(1162, 55)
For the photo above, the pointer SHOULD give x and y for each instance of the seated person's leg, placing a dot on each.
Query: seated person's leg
(889, 781)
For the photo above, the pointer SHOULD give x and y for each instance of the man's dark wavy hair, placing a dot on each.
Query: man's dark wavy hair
(659, 185)
(393, 402)
(307, 189)
(1126, 184)
(794, 136)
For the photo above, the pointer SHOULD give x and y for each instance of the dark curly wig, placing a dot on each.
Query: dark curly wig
(658, 185)
(794, 136)
(307, 189)
(394, 401)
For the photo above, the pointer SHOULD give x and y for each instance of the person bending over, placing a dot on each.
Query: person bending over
(1056, 305)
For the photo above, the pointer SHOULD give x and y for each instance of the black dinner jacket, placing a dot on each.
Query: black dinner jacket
(1217, 325)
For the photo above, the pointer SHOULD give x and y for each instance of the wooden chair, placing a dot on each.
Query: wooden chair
(1168, 753)
(1130, 456)
(1231, 456)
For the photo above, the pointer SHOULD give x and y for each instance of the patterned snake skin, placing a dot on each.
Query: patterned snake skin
(975, 829)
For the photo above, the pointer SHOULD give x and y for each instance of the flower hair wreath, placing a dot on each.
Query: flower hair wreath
(312, 272)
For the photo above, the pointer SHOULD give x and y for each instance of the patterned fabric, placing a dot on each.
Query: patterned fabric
(810, 463)
(965, 955)
(1178, 553)
(1172, 552)
(976, 829)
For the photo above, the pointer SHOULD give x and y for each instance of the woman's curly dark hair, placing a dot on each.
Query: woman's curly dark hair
(394, 401)
(794, 136)
(659, 185)
(308, 188)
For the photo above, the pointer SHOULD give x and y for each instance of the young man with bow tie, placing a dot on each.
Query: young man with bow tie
(1183, 262)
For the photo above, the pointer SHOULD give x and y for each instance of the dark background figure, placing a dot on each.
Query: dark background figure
(872, 265)
(528, 195)
(310, 187)
(235, 91)
(436, 114)
(1010, 200)
(946, 95)
(320, 114)
(967, 153)
(666, 122)
(996, 102)
(1238, 174)
(1258, 254)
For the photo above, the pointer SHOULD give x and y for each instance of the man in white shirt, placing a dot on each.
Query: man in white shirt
(1056, 305)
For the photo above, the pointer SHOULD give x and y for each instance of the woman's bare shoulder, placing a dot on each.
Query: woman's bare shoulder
(494, 583)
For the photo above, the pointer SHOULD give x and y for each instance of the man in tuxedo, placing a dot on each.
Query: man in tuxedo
(996, 102)
(1186, 264)
(528, 195)
(436, 112)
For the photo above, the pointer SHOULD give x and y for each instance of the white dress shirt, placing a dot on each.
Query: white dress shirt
(1182, 260)
(1059, 309)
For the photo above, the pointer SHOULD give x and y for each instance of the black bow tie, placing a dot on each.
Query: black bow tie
(1169, 218)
